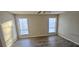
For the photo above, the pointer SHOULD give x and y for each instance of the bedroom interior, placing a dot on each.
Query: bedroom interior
(39, 28)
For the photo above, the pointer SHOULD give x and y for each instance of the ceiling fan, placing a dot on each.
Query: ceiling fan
(41, 12)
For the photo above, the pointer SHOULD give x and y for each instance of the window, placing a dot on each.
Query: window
(52, 25)
(23, 26)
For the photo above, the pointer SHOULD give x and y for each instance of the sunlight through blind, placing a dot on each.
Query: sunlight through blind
(23, 24)
(52, 25)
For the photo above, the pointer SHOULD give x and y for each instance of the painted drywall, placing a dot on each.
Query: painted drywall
(7, 28)
(69, 26)
(38, 24)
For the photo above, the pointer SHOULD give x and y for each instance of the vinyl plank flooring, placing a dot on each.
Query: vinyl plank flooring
(50, 41)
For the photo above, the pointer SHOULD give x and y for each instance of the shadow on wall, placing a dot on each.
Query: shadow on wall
(0, 43)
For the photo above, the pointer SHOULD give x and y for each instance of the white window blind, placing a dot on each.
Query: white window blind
(23, 26)
(52, 25)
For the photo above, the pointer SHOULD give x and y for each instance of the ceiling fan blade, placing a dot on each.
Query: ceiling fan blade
(44, 12)
(39, 12)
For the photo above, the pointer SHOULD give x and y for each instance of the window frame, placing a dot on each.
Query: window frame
(55, 25)
(19, 26)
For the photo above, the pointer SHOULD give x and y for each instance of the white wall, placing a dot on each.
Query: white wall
(69, 26)
(7, 19)
(38, 24)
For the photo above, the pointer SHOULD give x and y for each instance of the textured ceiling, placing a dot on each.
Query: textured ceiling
(36, 12)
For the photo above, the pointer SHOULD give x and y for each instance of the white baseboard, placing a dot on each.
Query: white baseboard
(63, 36)
(38, 36)
(27, 36)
